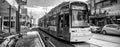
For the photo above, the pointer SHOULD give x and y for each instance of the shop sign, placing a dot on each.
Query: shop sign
(117, 12)
(24, 11)
(23, 2)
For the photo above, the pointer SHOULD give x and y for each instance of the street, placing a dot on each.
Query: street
(30, 40)
(58, 43)
(97, 40)
(59, 23)
(53, 41)
(33, 40)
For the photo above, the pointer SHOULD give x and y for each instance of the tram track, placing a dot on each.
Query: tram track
(55, 42)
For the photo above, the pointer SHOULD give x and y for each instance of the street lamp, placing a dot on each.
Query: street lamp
(18, 18)
(20, 2)
(10, 18)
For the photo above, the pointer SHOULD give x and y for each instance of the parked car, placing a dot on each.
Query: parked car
(111, 29)
(95, 28)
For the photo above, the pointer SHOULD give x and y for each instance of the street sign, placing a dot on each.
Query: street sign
(24, 11)
(23, 2)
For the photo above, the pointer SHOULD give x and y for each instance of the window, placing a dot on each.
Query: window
(52, 20)
(6, 23)
(112, 26)
(7, 18)
(113, 1)
(96, 1)
(67, 20)
(106, 3)
(118, 1)
(101, 0)
(99, 5)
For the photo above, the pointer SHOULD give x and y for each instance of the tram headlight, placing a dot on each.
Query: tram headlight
(74, 31)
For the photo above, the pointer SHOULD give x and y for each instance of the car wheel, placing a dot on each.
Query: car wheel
(104, 32)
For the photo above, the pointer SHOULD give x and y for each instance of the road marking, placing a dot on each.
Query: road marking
(43, 35)
(51, 43)
(43, 45)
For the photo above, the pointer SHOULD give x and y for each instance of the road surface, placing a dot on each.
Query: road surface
(60, 43)
(29, 41)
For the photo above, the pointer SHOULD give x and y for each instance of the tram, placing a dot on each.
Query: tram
(67, 21)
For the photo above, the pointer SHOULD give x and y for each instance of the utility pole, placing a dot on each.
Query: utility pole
(95, 6)
(10, 18)
(18, 18)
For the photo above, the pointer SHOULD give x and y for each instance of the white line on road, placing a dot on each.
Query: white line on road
(43, 35)
(51, 43)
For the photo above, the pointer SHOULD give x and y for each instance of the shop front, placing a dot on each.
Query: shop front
(98, 20)
(0, 23)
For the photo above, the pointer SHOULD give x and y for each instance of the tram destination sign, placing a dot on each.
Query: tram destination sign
(78, 7)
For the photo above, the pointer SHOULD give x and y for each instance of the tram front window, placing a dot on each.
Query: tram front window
(78, 18)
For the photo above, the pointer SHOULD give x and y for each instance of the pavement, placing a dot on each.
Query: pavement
(29, 39)
(5, 33)
(104, 41)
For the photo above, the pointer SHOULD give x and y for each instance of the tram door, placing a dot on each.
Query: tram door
(60, 26)
(66, 27)
(63, 26)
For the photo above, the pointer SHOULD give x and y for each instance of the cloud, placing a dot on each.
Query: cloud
(38, 12)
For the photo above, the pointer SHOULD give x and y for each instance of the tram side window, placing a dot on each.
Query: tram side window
(61, 21)
(52, 21)
(67, 20)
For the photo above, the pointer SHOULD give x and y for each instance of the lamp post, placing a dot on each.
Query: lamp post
(20, 2)
(18, 18)
(10, 18)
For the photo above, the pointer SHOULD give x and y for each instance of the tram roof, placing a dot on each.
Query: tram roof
(58, 7)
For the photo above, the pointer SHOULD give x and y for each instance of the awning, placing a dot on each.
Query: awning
(13, 3)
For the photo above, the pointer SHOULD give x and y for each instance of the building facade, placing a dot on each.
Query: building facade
(104, 11)
(8, 13)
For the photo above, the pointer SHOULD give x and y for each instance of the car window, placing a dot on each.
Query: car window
(108, 25)
(112, 26)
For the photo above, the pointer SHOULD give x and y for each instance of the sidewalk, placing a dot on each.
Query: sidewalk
(100, 43)
(5, 33)
(32, 39)
(99, 40)
(108, 38)
(29, 39)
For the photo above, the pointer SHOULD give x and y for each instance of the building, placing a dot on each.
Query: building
(8, 13)
(8, 10)
(104, 11)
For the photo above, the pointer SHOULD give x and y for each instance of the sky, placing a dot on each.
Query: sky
(37, 8)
